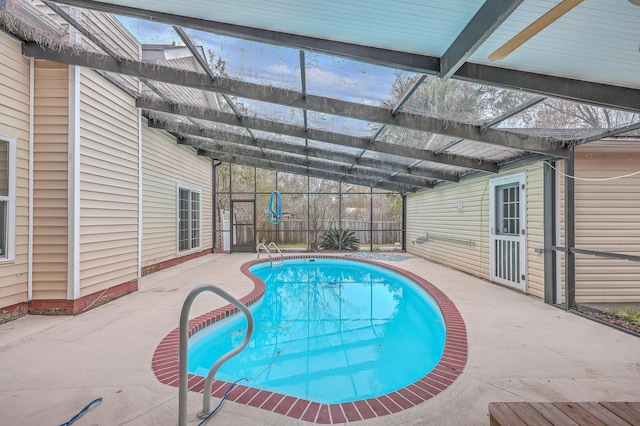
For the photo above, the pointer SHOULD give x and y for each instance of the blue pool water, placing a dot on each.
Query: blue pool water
(329, 331)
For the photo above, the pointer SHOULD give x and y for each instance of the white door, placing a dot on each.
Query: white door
(507, 230)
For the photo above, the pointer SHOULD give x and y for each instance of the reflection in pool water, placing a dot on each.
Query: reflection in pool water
(328, 331)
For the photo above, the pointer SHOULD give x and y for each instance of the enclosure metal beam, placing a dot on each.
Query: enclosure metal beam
(83, 30)
(405, 97)
(281, 157)
(560, 87)
(487, 19)
(374, 55)
(303, 84)
(410, 91)
(291, 98)
(314, 134)
(610, 133)
(599, 94)
(518, 109)
(305, 171)
(204, 65)
(342, 157)
(549, 232)
(194, 51)
(569, 232)
(449, 145)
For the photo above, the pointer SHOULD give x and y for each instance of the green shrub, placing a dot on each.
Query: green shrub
(339, 239)
(629, 314)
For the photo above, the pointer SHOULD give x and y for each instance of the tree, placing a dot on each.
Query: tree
(447, 99)
(555, 113)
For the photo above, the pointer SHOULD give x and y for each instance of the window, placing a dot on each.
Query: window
(508, 209)
(188, 219)
(7, 197)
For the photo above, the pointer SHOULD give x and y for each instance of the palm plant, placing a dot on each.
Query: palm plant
(339, 239)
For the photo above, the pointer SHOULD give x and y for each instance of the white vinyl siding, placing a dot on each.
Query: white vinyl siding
(166, 166)
(108, 185)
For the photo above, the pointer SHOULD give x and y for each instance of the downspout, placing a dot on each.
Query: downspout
(214, 197)
(140, 193)
(32, 74)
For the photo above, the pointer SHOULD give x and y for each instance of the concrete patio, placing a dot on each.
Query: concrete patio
(519, 350)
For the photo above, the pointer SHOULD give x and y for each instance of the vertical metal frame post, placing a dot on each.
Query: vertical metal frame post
(569, 232)
(549, 231)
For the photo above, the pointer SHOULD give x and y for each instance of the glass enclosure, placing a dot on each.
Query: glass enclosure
(312, 211)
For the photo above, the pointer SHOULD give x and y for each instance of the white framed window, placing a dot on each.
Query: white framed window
(189, 218)
(7, 197)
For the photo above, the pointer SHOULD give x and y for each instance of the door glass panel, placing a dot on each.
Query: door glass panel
(508, 208)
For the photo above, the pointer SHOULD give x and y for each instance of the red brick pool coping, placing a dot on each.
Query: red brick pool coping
(454, 358)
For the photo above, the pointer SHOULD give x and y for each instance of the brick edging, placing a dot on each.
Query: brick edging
(77, 306)
(148, 269)
(165, 363)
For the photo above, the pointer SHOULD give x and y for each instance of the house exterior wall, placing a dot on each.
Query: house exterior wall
(108, 185)
(87, 187)
(111, 32)
(50, 192)
(607, 213)
(166, 165)
(462, 211)
(14, 123)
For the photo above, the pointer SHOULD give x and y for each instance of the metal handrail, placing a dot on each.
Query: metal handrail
(267, 249)
(430, 236)
(261, 245)
(272, 244)
(184, 349)
(447, 238)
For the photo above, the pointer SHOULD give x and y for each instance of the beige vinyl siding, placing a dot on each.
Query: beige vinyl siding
(535, 230)
(437, 211)
(114, 35)
(14, 123)
(111, 32)
(165, 165)
(607, 219)
(108, 185)
(50, 206)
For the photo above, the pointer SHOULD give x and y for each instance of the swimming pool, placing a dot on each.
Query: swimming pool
(454, 357)
(329, 331)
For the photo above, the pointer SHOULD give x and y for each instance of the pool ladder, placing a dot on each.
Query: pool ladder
(184, 349)
(268, 250)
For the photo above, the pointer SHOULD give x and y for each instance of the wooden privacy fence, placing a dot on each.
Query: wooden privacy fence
(295, 231)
